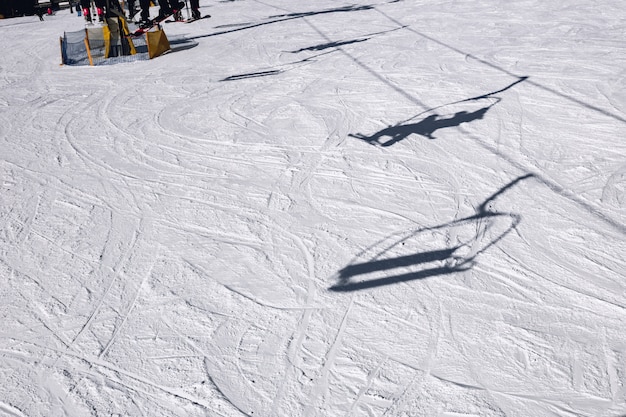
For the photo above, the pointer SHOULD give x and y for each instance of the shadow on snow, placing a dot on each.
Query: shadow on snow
(251, 75)
(290, 16)
(429, 125)
(331, 46)
(425, 127)
(450, 260)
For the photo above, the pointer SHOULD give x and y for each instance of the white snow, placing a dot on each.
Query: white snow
(214, 232)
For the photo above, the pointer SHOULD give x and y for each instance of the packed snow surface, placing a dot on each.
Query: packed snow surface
(324, 208)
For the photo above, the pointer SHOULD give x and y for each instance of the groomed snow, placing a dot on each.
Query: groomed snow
(328, 208)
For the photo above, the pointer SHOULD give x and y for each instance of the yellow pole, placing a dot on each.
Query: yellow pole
(87, 46)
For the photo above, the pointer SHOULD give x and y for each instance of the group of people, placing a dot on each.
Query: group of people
(105, 8)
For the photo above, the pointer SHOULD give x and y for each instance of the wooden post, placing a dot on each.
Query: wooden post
(87, 46)
(61, 45)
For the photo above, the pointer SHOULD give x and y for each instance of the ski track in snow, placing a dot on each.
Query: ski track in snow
(384, 208)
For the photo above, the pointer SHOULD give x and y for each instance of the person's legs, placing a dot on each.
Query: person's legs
(86, 6)
(168, 7)
(100, 6)
(131, 8)
(145, 10)
(195, 8)
(176, 5)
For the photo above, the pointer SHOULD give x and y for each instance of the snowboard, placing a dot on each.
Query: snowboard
(190, 20)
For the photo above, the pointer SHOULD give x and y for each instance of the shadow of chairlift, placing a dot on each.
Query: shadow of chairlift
(473, 235)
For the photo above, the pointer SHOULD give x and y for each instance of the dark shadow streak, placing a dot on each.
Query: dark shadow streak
(513, 84)
(276, 71)
(383, 264)
(183, 47)
(363, 285)
(287, 17)
(176, 45)
(329, 45)
(336, 10)
(251, 75)
(180, 43)
(339, 44)
(232, 25)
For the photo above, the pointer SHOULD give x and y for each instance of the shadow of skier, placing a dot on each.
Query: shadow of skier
(425, 127)
(428, 126)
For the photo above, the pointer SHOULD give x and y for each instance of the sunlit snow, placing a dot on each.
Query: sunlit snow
(325, 208)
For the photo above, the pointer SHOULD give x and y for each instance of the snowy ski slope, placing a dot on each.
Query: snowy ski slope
(329, 208)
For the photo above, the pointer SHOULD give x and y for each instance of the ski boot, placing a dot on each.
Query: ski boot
(145, 23)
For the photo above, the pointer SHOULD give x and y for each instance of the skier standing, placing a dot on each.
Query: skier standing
(166, 8)
(131, 9)
(144, 5)
(195, 6)
(169, 7)
(86, 5)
